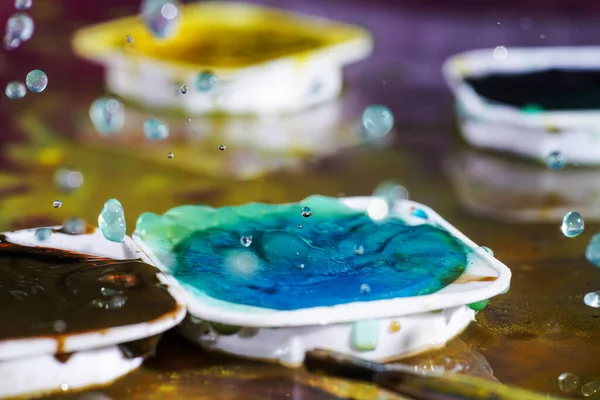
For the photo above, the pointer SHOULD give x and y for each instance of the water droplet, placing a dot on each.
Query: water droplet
(19, 29)
(592, 252)
(170, 155)
(36, 81)
(246, 241)
(106, 292)
(162, 17)
(59, 325)
(107, 115)
(592, 299)
(112, 221)
(57, 204)
(129, 39)
(359, 250)
(23, 4)
(183, 89)
(110, 303)
(306, 212)
(155, 129)
(67, 180)
(188, 120)
(301, 266)
(74, 226)
(206, 81)
(385, 197)
(299, 226)
(572, 224)
(542, 36)
(568, 382)
(377, 120)
(42, 234)
(556, 160)
(15, 90)
(590, 388)
(365, 289)
(64, 387)
(500, 53)
(488, 250)
(222, 147)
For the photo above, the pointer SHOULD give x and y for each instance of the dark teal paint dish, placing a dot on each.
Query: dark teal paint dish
(319, 264)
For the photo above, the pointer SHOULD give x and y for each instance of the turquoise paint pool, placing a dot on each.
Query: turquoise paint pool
(296, 262)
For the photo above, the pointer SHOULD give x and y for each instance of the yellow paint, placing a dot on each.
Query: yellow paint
(50, 156)
(220, 36)
(394, 327)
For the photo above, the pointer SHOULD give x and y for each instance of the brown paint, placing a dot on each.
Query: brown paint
(50, 285)
(466, 278)
(63, 357)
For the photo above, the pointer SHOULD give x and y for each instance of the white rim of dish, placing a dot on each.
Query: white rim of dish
(481, 62)
(91, 244)
(455, 294)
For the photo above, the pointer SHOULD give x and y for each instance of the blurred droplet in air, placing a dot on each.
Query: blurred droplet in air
(592, 299)
(556, 160)
(572, 224)
(568, 382)
(162, 17)
(67, 180)
(19, 29)
(246, 241)
(170, 155)
(57, 204)
(42, 234)
(365, 288)
(15, 90)
(222, 147)
(384, 198)
(377, 121)
(112, 221)
(36, 81)
(206, 81)
(74, 226)
(155, 129)
(107, 115)
(500, 53)
(592, 252)
(23, 4)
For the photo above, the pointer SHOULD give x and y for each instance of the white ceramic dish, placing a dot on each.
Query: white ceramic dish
(504, 189)
(286, 335)
(28, 366)
(94, 244)
(505, 128)
(36, 376)
(290, 81)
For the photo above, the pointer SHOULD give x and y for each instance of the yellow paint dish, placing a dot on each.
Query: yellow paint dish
(267, 60)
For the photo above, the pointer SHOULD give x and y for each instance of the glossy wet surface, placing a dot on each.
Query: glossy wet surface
(540, 329)
(286, 257)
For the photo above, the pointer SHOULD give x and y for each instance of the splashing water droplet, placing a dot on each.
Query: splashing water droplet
(488, 250)
(36, 81)
(57, 204)
(301, 266)
(183, 89)
(365, 289)
(359, 250)
(500, 53)
(377, 121)
(23, 4)
(110, 303)
(42, 234)
(306, 212)
(189, 120)
(112, 221)
(592, 252)
(299, 226)
(592, 299)
(556, 160)
(572, 224)
(385, 197)
(64, 387)
(15, 90)
(162, 17)
(67, 180)
(74, 226)
(222, 147)
(107, 115)
(568, 382)
(206, 81)
(155, 129)
(170, 155)
(19, 29)
(246, 241)
(59, 325)
(590, 388)
(129, 39)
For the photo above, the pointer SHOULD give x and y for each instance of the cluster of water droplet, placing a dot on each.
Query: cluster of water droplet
(36, 81)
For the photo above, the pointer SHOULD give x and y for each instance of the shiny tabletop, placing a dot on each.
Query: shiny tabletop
(540, 329)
